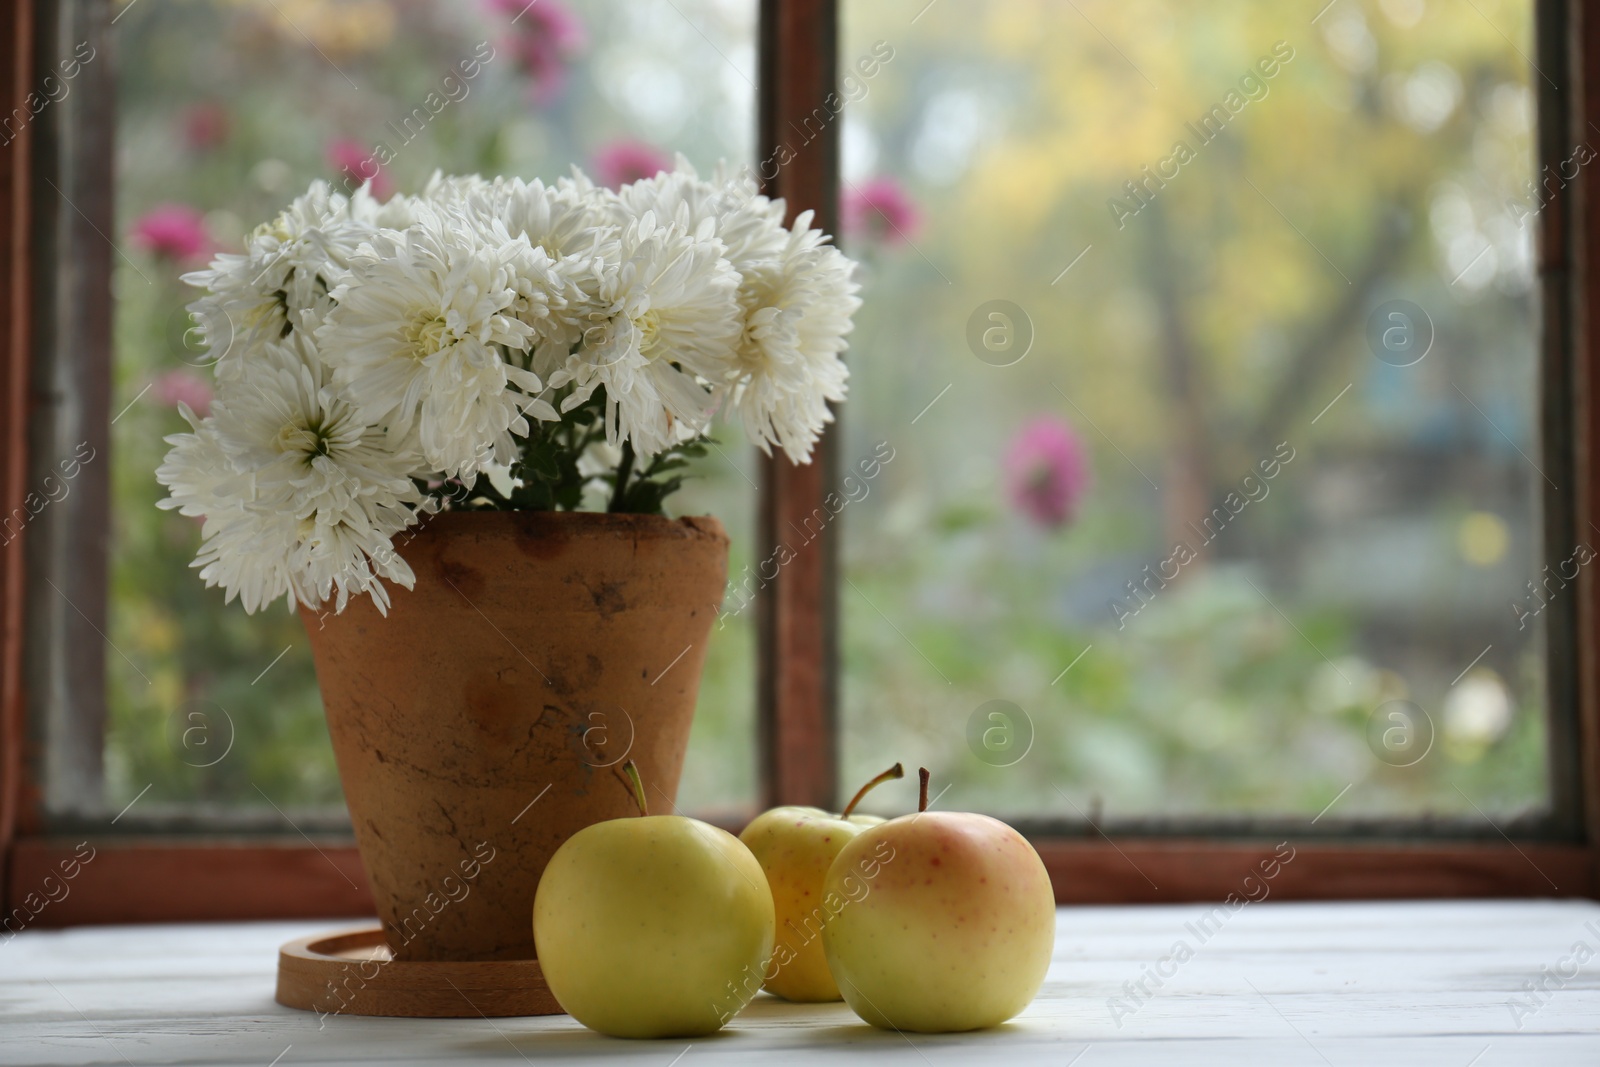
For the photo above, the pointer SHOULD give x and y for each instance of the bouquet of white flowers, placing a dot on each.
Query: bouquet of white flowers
(491, 344)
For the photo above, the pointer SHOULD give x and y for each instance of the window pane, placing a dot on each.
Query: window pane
(226, 111)
(1205, 340)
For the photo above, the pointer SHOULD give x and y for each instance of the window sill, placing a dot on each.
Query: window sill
(209, 879)
(1414, 983)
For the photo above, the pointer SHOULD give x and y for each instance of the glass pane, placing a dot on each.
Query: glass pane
(1204, 340)
(229, 108)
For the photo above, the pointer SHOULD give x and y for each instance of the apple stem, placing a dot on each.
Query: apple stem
(922, 789)
(632, 771)
(896, 771)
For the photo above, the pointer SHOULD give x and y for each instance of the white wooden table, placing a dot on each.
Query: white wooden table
(1413, 984)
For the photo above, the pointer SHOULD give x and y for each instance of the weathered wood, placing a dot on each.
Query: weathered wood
(1583, 288)
(73, 219)
(16, 75)
(1129, 870)
(144, 880)
(1566, 512)
(1418, 985)
(798, 159)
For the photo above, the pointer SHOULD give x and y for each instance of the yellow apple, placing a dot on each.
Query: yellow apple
(655, 926)
(795, 847)
(952, 930)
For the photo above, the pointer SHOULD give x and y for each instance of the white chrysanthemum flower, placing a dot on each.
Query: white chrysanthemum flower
(452, 190)
(283, 279)
(569, 222)
(796, 295)
(576, 226)
(300, 498)
(672, 322)
(363, 346)
(430, 333)
(749, 224)
(395, 213)
(565, 219)
(797, 311)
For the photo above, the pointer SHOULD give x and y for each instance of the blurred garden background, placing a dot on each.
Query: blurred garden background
(1172, 325)
(1181, 336)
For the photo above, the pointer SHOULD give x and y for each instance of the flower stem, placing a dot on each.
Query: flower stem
(624, 468)
(896, 771)
(632, 771)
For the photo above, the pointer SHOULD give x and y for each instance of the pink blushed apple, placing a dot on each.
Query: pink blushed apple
(954, 933)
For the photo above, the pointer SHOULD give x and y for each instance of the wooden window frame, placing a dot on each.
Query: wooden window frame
(141, 878)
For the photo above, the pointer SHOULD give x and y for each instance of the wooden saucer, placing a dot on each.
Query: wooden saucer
(352, 973)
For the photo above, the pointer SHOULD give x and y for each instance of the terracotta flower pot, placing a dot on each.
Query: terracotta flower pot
(485, 720)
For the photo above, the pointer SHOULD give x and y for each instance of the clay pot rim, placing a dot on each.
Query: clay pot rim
(568, 524)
